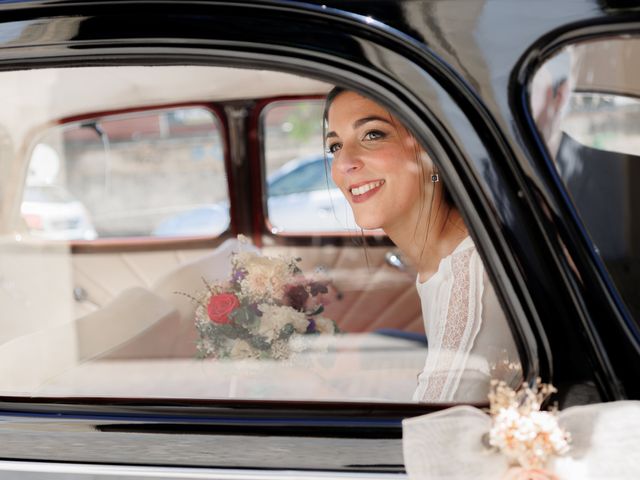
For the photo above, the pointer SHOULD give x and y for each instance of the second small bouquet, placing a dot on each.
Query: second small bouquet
(263, 311)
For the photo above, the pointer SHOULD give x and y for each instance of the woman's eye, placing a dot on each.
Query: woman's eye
(334, 147)
(374, 135)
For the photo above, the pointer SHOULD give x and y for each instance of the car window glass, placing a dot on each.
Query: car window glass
(315, 316)
(138, 174)
(585, 101)
(301, 196)
(305, 178)
(46, 193)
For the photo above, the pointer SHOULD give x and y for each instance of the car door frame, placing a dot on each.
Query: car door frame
(481, 162)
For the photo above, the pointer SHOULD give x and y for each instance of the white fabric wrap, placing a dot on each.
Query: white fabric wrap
(448, 444)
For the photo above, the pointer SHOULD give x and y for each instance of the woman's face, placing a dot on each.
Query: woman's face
(375, 163)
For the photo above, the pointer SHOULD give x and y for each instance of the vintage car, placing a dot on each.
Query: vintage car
(170, 123)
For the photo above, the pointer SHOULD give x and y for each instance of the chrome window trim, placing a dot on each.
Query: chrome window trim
(9, 469)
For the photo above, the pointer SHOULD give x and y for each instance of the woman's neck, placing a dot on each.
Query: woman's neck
(443, 233)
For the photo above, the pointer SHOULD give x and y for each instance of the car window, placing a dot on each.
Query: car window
(149, 173)
(47, 193)
(305, 176)
(585, 100)
(301, 195)
(251, 316)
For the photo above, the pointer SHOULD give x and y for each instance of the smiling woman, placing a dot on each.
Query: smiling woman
(391, 183)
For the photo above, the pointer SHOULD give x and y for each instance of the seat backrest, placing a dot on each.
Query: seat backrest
(135, 324)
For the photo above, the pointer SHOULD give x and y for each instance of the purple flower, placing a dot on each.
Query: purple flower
(311, 328)
(238, 275)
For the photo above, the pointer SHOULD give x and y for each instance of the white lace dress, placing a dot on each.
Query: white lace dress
(470, 341)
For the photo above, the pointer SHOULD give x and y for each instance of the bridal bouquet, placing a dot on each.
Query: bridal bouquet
(262, 311)
(528, 436)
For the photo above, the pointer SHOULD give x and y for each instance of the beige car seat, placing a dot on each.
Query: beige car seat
(155, 323)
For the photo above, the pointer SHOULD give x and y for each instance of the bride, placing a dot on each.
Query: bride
(391, 183)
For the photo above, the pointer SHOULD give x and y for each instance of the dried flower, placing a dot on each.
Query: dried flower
(266, 277)
(526, 435)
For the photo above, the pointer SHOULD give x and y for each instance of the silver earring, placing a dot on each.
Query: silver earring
(435, 178)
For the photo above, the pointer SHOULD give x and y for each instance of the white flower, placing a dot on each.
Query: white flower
(275, 317)
(529, 437)
(324, 325)
(300, 322)
(266, 277)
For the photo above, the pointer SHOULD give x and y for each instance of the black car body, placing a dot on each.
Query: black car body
(459, 74)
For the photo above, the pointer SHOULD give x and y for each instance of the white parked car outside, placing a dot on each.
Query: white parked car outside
(52, 212)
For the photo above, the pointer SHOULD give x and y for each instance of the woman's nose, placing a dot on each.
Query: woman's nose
(347, 160)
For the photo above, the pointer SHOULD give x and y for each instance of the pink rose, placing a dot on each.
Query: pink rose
(220, 306)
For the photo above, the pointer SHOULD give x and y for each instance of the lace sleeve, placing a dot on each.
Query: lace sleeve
(455, 323)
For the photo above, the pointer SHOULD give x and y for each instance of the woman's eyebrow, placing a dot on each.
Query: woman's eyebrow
(361, 121)
(372, 118)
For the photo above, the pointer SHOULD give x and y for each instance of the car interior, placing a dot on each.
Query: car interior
(116, 301)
